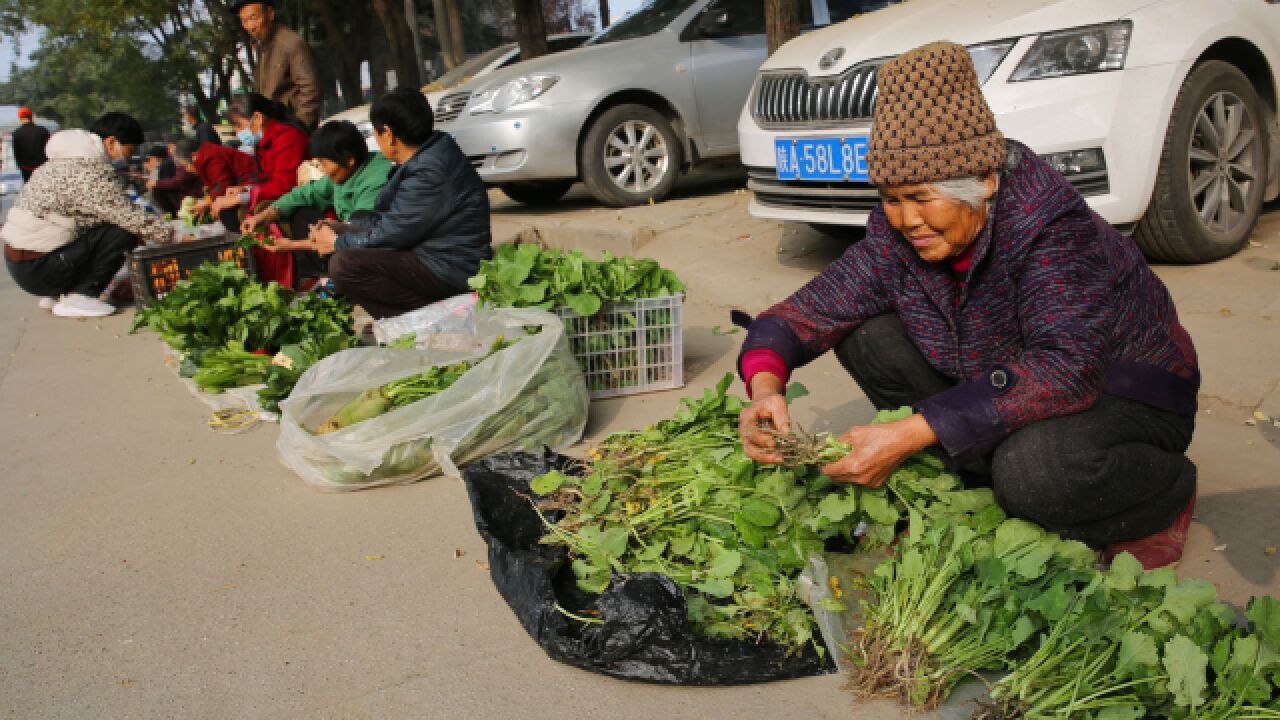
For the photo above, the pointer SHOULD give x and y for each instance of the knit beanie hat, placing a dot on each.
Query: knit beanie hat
(931, 121)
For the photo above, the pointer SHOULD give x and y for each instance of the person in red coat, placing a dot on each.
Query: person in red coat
(219, 167)
(261, 124)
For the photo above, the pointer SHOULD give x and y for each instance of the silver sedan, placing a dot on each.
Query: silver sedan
(655, 93)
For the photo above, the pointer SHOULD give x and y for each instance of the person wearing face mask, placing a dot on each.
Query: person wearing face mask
(199, 129)
(279, 148)
(68, 234)
(121, 135)
(353, 177)
(1040, 353)
(286, 73)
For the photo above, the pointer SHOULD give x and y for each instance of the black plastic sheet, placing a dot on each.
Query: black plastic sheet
(645, 634)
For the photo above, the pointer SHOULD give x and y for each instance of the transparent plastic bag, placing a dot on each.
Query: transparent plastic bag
(529, 396)
(438, 325)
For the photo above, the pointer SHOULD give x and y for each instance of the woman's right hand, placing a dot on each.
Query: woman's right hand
(767, 414)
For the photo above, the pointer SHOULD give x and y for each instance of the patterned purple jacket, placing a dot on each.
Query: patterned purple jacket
(1056, 308)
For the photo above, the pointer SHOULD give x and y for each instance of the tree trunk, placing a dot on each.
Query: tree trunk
(604, 14)
(531, 30)
(781, 21)
(399, 42)
(379, 61)
(444, 34)
(347, 47)
(455, 31)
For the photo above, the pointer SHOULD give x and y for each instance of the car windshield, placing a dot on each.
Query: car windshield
(648, 19)
(466, 70)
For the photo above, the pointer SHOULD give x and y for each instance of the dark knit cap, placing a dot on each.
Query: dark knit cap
(931, 121)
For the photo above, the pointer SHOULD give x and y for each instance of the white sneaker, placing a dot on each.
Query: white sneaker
(79, 306)
(47, 303)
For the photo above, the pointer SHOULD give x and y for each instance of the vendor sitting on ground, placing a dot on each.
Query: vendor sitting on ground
(68, 233)
(218, 167)
(263, 127)
(431, 226)
(170, 183)
(353, 178)
(1036, 346)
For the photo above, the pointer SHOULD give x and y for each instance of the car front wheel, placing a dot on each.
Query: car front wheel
(1212, 176)
(630, 156)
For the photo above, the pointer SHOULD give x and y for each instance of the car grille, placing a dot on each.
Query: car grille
(859, 197)
(451, 106)
(793, 99)
(834, 196)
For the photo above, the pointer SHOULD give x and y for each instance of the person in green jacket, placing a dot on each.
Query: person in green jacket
(353, 177)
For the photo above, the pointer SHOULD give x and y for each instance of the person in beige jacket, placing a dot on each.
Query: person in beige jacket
(68, 233)
(286, 72)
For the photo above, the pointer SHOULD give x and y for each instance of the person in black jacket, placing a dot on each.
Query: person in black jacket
(430, 227)
(202, 131)
(28, 144)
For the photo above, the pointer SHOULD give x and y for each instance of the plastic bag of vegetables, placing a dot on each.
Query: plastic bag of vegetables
(518, 386)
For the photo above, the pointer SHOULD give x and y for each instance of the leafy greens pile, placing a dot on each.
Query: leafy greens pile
(530, 276)
(682, 499)
(228, 325)
(965, 590)
(606, 344)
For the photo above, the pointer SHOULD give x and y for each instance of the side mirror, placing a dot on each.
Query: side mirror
(716, 23)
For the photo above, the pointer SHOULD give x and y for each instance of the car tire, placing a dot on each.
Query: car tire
(536, 192)
(610, 168)
(1187, 220)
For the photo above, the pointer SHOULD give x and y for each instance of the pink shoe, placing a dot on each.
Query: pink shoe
(1159, 550)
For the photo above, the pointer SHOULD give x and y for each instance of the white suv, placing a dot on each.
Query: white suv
(1162, 113)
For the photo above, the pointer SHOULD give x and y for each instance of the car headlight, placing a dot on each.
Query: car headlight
(988, 56)
(511, 93)
(1097, 48)
(366, 128)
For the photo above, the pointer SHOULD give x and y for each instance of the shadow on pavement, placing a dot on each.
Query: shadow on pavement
(1235, 522)
(712, 180)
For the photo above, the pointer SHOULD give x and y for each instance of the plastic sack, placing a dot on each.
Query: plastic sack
(438, 325)
(643, 633)
(528, 395)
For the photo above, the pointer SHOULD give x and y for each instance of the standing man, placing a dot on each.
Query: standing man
(201, 130)
(286, 72)
(28, 144)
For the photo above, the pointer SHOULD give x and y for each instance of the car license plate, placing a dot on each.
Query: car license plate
(837, 159)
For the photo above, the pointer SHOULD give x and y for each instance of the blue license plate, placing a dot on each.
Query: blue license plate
(836, 159)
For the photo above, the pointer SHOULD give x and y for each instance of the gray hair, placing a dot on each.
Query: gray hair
(971, 191)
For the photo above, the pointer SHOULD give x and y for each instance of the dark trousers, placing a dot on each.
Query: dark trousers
(85, 266)
(1115, 472)
(386, 283)
(306, 263)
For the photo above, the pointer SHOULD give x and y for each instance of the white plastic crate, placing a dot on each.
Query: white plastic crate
(629, 347)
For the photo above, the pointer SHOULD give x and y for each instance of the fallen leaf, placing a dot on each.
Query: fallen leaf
(1269, 550)
(1251, 422)
(715, 330)
(482, 565)
(458, 552)
(1255, 243)
(192, 461)
(1261, 416)
(1224, 311)
(1220, 548)
(374, 557)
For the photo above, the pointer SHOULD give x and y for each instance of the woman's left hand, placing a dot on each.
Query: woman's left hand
(323, 237)
(879, 449)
